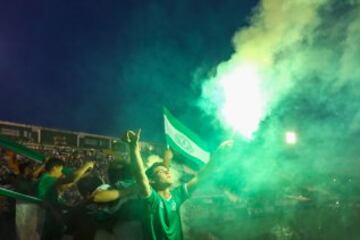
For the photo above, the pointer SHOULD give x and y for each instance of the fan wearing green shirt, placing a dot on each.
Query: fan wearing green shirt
(162, 215)
(50, 185)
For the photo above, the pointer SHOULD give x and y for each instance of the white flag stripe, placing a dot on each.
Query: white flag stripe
(193, 150)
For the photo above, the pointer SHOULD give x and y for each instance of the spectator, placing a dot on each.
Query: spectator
(162, 212)
(94, 216)
(52, 183)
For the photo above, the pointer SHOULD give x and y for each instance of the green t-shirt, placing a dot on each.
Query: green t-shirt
(46, 189)
(162, 218)
(68, 171)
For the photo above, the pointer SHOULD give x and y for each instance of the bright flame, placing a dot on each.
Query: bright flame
(243, 105)
(290, 138)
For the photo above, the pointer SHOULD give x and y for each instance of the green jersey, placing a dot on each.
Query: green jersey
(47, 188)
(162, 218)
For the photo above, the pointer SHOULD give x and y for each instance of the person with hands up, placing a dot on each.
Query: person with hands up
(50, 187)
(162, 215)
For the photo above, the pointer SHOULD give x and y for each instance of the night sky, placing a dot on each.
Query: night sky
(107, 66)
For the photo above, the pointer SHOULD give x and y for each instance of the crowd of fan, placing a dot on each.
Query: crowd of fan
(12, 165)
(75, 157)
(21, 174)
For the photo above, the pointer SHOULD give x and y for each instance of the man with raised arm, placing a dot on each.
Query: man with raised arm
(50, 186)
(162, 217)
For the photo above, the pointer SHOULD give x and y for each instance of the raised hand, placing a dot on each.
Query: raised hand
(89, 165)
(131, 137)
(227, 144)
(168, 155)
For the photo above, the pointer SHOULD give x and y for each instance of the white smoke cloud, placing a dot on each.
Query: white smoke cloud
(292, 43)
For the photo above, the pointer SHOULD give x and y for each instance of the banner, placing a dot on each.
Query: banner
(184, 141)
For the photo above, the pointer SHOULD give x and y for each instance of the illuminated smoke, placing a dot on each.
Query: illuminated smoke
(289, 45)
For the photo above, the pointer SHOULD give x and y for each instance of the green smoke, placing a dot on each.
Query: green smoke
(306, 56)
(303, 58)
(252, 81)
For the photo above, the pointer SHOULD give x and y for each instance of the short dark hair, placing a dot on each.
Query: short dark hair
(52, 162)
(88, 184)
(151, 170)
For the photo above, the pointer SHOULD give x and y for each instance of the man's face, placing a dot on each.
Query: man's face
(57, 170)
(162, 177)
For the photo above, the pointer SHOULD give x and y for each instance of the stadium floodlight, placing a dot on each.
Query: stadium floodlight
(290, 137)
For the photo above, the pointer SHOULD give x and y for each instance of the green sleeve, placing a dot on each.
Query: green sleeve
(45, 186)
(153, 200)
(180, 194)
(67, 171)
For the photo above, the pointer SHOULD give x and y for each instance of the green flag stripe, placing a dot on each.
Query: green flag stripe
(20, 149)
(184, 142)
(12, 194)
(193, 161)
(182, 128)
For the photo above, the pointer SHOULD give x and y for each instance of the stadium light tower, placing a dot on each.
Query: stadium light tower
(290, 137)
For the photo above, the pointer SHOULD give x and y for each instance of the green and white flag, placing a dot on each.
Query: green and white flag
(184, 141)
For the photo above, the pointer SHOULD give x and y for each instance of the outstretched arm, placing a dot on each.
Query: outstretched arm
(168, 156)
(38, 170)
(67, 182)
(104, 196)
(142, 180)
(209, 168)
